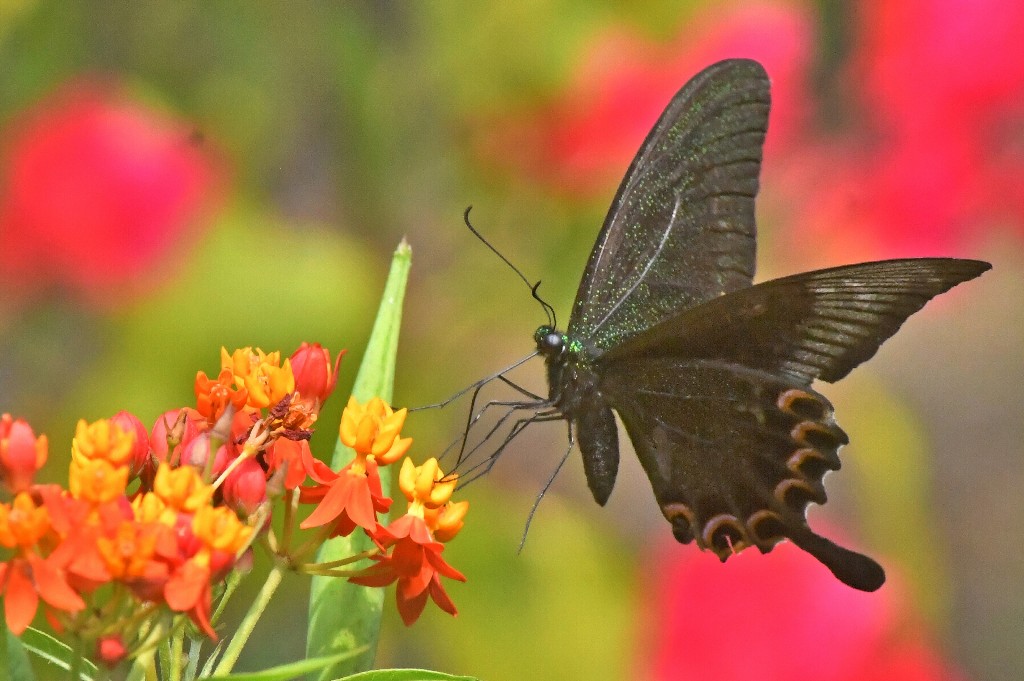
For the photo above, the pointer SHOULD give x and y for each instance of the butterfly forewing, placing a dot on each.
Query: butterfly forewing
(681, 227)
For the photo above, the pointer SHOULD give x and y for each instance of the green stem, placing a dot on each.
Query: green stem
(248, 623)
(75, 671)
(177, 648)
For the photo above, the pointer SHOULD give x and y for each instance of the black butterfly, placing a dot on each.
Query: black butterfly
(710, 374)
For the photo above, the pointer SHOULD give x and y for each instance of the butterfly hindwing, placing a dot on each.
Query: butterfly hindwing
(681, 227)
(734, 455)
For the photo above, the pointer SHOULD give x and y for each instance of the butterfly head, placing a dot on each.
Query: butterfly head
(550, 342)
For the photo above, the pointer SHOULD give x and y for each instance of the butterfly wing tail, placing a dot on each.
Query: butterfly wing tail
(851, 568)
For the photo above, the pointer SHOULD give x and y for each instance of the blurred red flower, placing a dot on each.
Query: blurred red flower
(781, 617)
(585, 140)
(934, 157)
(98, 193)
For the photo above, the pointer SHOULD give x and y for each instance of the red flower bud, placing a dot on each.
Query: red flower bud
(174, 428)
(21, 453)
(314, 375)
(110, 650)
(130, 423)
(245, 487)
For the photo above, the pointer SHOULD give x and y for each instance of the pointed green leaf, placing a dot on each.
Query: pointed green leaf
(344, 616)
(291, 670)
(405, 675)
(53, 652)
(14, 662)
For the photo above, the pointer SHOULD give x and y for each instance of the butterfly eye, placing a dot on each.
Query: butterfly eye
(554, 343)
(549, 343)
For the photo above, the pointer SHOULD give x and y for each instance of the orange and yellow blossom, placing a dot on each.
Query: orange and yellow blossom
(262, 374)
(181, 488)
(131, 552)
(219, 528)
(353, 497)
(28, 577)
(96, 481)
(22, 523)
(102, 440)
(221, 535)
(373, 428)
(415, 560)
(214, 395)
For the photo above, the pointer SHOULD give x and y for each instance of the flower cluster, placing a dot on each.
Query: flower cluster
(411, 546)
(152, 521)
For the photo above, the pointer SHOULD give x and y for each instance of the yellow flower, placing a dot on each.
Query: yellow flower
(150, 508)
(219, 528)
(446, 521)
(181, 488)
(22, 523)
(426, 484)
(373, 429)
(263, 376)
(96, 480)
(103, 439)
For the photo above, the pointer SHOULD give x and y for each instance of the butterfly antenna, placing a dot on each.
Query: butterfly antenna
(548, 310)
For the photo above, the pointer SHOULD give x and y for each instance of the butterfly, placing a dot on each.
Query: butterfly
(709, 373)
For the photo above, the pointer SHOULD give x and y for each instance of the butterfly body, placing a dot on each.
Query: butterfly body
(710, 374)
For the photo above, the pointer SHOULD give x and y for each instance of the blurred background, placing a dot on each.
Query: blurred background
(177, 176)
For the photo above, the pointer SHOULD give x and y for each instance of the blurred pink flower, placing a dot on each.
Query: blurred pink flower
(585, 140)
(935, 156)
(780, 616)
(98, 192)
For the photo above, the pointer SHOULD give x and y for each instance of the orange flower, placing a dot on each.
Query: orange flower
(188, 590)
(446, 521)
(27, 576)
(213, 396)
(415, 560)
(21, 453)
(373, 428)
(350, 498)
(264, 377)
(220, 536)
(24, 580)
(292, 455)
(220, 529)
(22, 524)
(129, 552)
(425, 486)
(151, 508)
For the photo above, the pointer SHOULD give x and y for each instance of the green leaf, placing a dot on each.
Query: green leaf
(344, 616)
(14, 662)
(290, 670)
(405, 675)
(54, 652)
